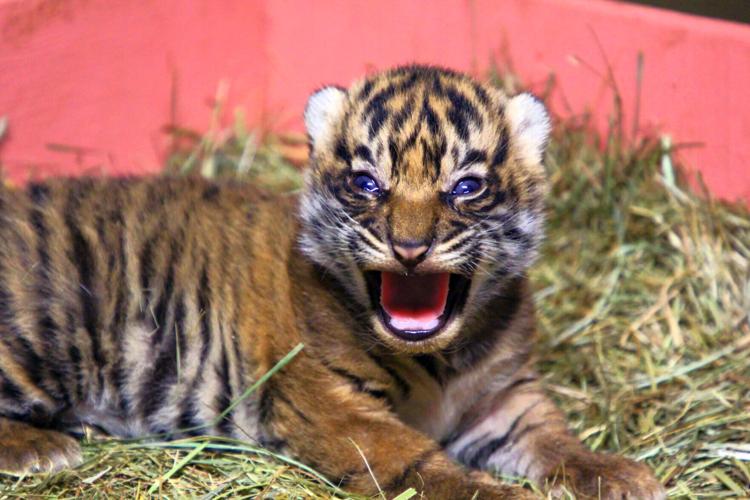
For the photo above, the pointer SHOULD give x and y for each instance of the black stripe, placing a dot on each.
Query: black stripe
(188, 410)
(75, 357)
(459, 123)
(441, 150)
(83, 259)
(165, 306)
(377, 120)
(480, 458)
(345, 479)
(204, 309)
(472, 157)
(379, 100)
(393, 152)
(458, 244)
(432, 156)
(40, 372)
(430, 365)
(501, 150)
(366, 241)
(409, 82)
(411, 139)
(401, 384)
(520, 382)
(379, 148)
(179, 324)
(74, 354)
(9, 389)
(464, 107)
(367, 222)
(410, 468)
(160, 312)
(189, 417)
(265, 404)
(360, 385)
(458, 224)
(281, 397)
(342, 152)
(363, 152)
(366, 90)
(515, 234)
(238, 357)
(211, 193)
(146, 263)
(188, 421)
(122, 300)
(482, 94)
(437, 86)
(526, 429)
(429, 116)
(452, 234)
(224, 397)
(154, 391)
(400, 117)
(39, 193)
(498, 198)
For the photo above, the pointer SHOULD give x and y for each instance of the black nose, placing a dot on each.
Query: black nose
(410, 253)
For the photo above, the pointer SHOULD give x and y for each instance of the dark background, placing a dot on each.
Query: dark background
(732, 10)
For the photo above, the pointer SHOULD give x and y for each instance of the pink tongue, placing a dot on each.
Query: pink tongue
(414, 302)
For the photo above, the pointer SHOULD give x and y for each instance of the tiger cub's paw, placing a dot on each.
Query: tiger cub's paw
(28, 450)
(600, 475)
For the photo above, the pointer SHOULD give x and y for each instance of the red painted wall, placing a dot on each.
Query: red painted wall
(105, 76)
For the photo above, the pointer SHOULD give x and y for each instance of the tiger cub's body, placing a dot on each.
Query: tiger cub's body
(146, 307)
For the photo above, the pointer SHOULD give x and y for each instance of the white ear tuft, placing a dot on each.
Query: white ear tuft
(323, 107)
(530, 125)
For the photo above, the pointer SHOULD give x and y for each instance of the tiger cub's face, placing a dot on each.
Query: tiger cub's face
(424, 196)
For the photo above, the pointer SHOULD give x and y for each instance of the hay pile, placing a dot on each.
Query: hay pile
(643, 293)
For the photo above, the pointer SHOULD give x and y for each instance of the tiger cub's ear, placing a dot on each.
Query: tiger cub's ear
(529, 126)
(323, 108)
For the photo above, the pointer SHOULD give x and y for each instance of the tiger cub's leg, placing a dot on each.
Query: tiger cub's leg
(523, 433)
(27, 449)
(356, 441)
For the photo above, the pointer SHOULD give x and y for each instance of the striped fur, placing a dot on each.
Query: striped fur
(145, 307)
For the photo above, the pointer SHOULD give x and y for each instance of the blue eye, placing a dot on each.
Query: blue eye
(366, 183)
(466, 186)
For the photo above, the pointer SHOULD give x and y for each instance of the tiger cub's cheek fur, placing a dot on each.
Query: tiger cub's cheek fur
(416, 134)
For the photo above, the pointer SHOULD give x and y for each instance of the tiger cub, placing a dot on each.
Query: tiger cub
(148, 306)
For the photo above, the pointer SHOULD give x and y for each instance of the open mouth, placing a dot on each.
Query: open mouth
(416, 306)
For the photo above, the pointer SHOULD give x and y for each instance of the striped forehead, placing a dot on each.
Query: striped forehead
(422, 124)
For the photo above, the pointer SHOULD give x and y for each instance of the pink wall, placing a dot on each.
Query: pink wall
(105, 76)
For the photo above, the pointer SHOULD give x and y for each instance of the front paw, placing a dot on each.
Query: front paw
(600, 475)
(28, 450)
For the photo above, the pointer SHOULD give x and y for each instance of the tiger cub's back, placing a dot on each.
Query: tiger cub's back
(120, 300)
